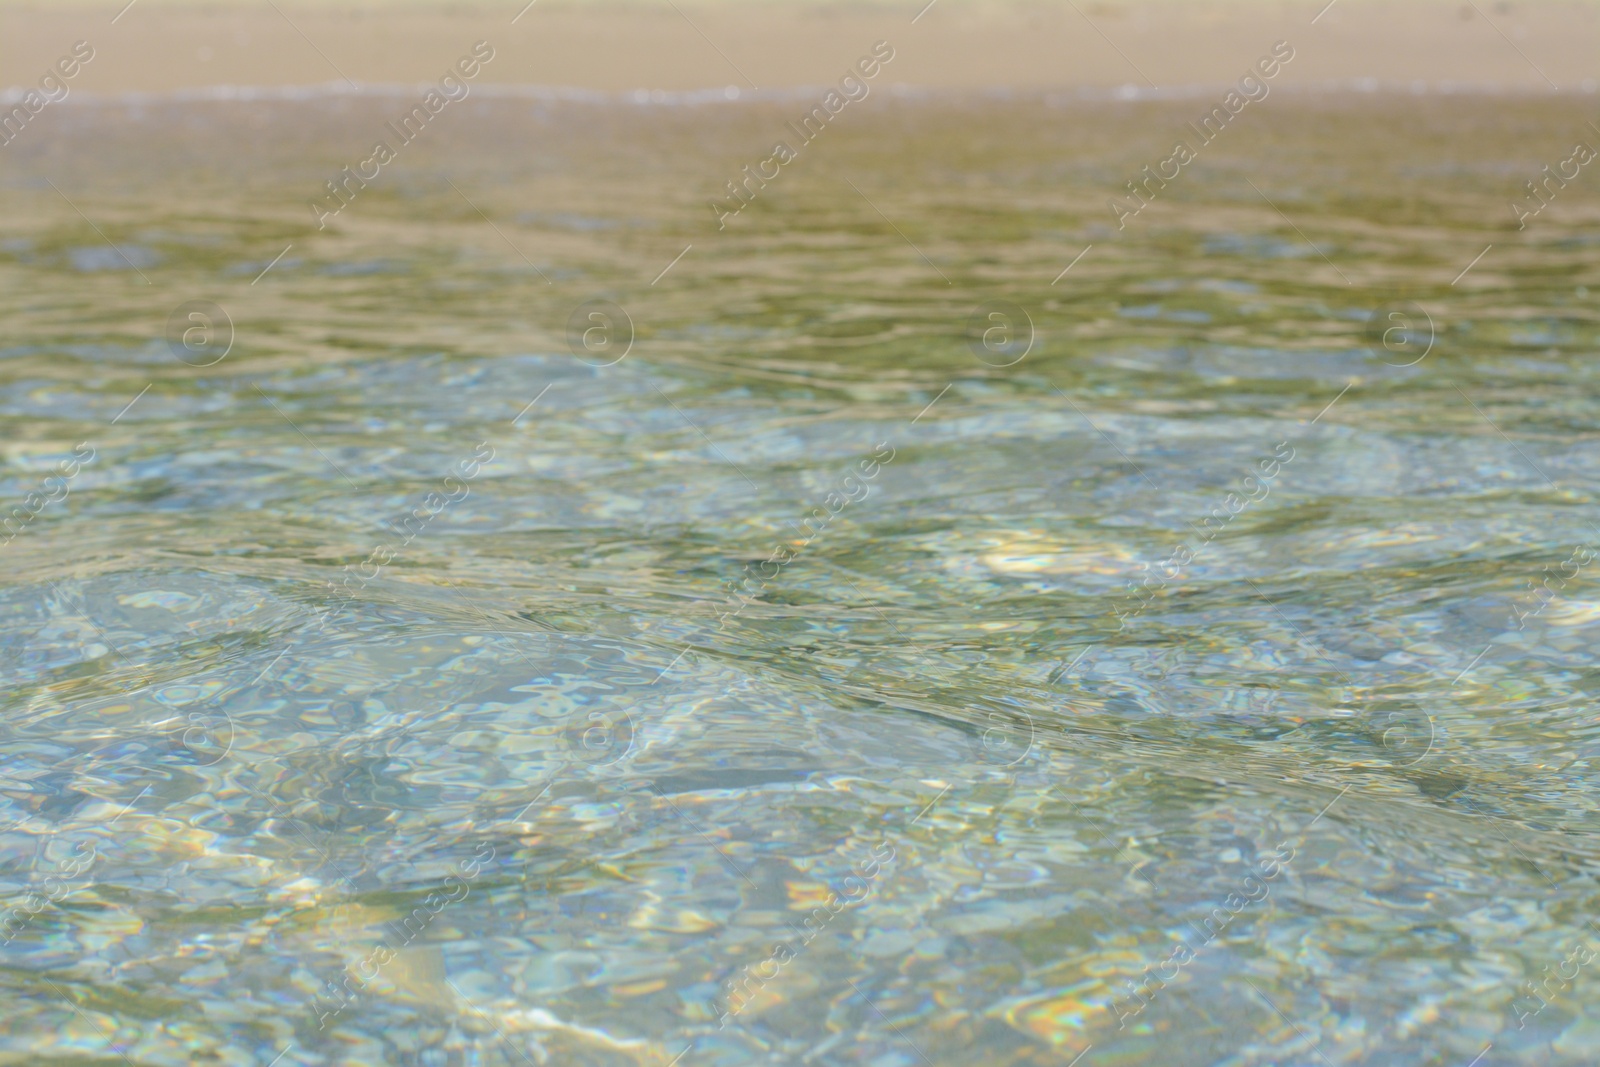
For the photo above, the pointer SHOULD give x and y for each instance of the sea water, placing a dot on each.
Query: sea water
(930, 616)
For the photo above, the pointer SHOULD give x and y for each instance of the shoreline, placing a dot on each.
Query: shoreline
(1361, 89)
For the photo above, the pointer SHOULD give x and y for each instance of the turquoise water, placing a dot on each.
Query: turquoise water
(795, 663)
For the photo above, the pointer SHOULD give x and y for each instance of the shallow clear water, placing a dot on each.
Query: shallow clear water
(329, 735)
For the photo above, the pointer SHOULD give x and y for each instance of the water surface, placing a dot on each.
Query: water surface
(416, 685)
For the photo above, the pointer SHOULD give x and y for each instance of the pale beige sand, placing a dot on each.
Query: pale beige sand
(161, 45)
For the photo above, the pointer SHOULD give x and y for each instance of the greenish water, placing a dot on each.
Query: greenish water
(780, 692)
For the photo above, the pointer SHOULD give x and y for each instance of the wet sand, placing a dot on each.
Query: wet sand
(159, 45)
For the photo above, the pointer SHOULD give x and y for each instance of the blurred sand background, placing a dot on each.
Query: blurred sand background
(678, 45)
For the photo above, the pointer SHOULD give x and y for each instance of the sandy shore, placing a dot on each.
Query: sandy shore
(159, 45)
